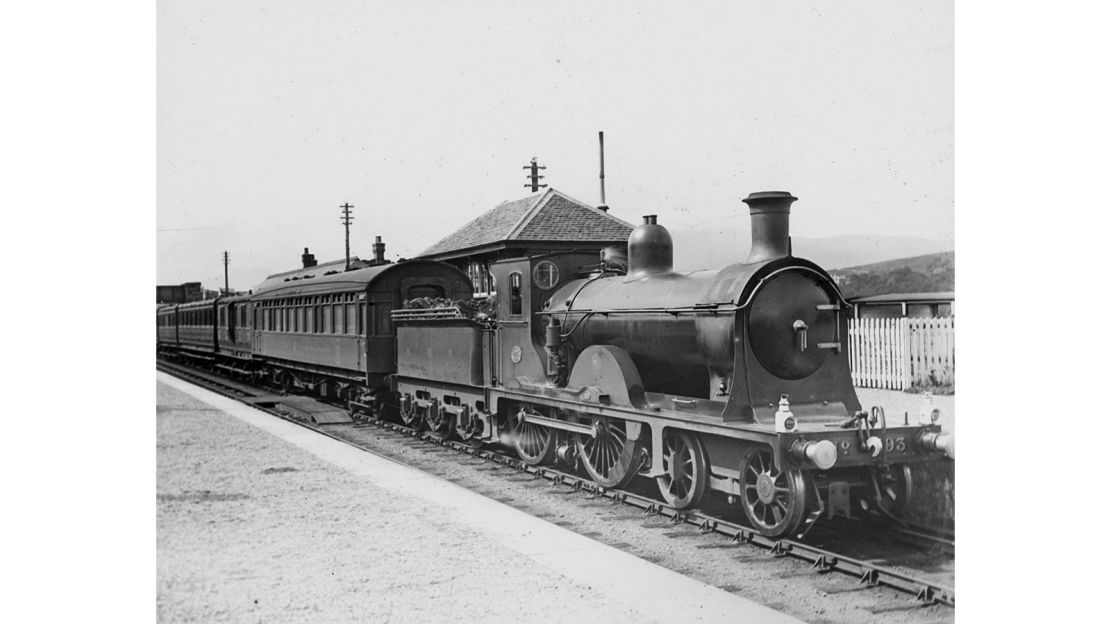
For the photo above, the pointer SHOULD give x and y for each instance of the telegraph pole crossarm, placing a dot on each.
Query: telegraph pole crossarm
(534, 176)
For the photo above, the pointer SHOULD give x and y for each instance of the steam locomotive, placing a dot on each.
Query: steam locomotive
(733, 381)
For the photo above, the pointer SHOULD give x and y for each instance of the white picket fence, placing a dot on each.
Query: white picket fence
(899, 353)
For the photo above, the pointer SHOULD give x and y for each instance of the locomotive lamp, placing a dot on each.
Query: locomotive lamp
(784, 418)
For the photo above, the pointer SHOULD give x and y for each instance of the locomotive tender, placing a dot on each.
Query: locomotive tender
(733, 380)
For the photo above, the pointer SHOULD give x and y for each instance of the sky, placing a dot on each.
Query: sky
(270, 114)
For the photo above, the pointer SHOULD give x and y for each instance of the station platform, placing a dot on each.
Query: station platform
(259, 519)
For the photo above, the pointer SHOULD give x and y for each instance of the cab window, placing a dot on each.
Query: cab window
(516, 297)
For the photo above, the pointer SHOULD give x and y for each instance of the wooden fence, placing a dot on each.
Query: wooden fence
(900, 353)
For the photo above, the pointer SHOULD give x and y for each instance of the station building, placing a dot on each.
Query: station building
(546, 222)
(912, 305)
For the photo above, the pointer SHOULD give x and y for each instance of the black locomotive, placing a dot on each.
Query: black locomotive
(733, 380)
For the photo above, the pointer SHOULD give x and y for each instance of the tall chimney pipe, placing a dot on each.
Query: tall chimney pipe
(770, 212)
(307, 259)
(601, 156)
(379, 250)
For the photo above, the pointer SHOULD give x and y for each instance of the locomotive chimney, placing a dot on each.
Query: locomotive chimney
(770, 225)
(650, 249)
(307, 259)
(379, 250)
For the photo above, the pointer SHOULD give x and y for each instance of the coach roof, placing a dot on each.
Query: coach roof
(357, 280)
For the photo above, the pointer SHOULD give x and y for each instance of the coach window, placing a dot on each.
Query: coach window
(516, 298)
(326, 320)
(352, 320)
(310, 321)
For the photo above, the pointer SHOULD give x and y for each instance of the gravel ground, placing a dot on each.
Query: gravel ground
(218, 553)
(254, 529)
(784, 584)
(251, 529)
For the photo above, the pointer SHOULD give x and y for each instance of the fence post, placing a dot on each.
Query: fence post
(904, 356)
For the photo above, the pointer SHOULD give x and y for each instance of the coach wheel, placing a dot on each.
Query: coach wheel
(285, 383)
(773, 500)
(611, 459)
(413, 417)
(440, 423)
(349, 396)
(685, 476)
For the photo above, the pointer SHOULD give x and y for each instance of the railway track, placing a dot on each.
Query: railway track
(821, 560)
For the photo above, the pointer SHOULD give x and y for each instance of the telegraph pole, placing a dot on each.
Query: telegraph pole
(601, 157)
(346, 220)
(227, 259)
(535, 176)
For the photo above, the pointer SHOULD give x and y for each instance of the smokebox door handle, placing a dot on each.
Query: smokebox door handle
(801, 331)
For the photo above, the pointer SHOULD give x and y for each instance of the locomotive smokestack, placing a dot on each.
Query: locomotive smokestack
(650, 249)
(770, 212)
(307, 259)
(379, 250)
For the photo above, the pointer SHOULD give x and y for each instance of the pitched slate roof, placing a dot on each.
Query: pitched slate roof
(547, 216)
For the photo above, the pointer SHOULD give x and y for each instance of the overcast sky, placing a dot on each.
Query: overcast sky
(272, 113)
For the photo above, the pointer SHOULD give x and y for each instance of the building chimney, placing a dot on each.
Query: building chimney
(307, 259)
(379, 250)
(770, 212)
(650, 249)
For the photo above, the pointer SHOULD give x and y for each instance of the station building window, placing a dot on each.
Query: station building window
(480, 278)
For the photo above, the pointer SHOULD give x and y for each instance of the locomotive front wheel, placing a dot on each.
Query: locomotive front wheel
(611, 459)
(773, 500)
(686, 477)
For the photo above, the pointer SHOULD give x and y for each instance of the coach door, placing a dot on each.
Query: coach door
(381, 356)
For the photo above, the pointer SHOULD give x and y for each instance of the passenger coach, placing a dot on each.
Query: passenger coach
(333, 334)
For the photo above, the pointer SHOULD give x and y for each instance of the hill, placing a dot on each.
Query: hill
(712, 248)
(926, 273)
